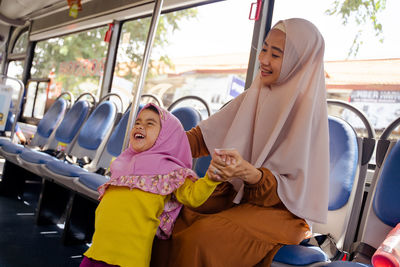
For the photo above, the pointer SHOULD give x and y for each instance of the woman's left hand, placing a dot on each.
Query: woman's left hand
(229, 164)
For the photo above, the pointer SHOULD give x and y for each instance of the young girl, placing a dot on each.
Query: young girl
(149, 183)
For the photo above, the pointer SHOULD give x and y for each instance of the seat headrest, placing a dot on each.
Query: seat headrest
(52, 117)
(116, 141)
(72, 121)
(97, 125)
(188, 116)
(387, 193)
(343, 152)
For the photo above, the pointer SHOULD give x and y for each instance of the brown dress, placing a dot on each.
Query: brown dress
(220, 233)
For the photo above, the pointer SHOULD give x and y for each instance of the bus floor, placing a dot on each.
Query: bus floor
(24, 243)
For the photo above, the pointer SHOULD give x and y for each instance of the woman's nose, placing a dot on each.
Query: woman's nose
(264, 58)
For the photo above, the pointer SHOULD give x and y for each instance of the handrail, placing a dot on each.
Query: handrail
(71, 98)
(156, 98)
(112, 94)
(89, 94)
(359, 113)
(190, 97)
(389, 129)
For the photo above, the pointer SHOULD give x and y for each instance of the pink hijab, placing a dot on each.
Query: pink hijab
(170, 151)
(160, 170)
(284, 127)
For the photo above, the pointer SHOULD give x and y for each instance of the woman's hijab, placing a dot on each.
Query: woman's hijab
(284, 127)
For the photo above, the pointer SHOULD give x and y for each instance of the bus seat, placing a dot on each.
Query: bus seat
(382, 211)
(88, 184)
(381, 207)
(58, 186)
(62, 140)
(71, 124)
(188, 116)
(344, 166)
(46, 126)
(115, 143)
(49, 122)
(90, 141)
(201, 165)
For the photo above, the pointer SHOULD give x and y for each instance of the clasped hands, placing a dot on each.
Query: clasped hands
(227, 164)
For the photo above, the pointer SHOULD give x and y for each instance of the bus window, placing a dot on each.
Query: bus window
(129, 57)
(21, 44)
(73, 63)
(15, 69)
(196, 51)
(16, 63)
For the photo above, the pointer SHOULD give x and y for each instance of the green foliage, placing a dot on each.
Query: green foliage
(132, 51)
(362, 12)
(71, 57)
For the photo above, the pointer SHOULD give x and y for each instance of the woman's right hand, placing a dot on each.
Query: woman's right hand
(229, 164)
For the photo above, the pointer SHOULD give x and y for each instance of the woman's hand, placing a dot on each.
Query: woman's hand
(228, 163)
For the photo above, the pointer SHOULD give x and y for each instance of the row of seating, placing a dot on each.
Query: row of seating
(83, 132)
(379, 210)
(69, 191)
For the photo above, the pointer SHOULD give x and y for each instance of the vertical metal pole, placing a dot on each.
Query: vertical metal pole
(110, 60)
(143, 71)
(261, 29)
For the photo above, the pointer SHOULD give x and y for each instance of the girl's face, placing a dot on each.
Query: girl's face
(271, 57)
(145, 132)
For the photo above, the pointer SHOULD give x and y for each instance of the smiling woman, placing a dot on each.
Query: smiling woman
(271, 55)
(266, 186)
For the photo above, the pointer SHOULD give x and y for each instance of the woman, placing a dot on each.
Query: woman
(278, 169)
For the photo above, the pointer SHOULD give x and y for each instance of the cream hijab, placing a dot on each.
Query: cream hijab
(284, 127)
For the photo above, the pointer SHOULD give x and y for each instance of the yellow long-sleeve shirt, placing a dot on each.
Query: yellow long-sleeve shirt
(127, 220)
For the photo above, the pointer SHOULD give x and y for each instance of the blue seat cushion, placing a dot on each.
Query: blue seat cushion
(96, 127)
(51, 117)
(300, 255)
(4, 141)
(92, 180)
(37, 157)
(13, 148)
(116, 141)
(64, 168)
(188, 116)
(387, 197)
(202, 165)
(343, 151)
(72, 121)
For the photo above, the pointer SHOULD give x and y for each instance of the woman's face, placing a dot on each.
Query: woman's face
(271, 57)
(145, 132)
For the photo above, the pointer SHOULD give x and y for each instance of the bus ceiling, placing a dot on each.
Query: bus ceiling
(50, 18)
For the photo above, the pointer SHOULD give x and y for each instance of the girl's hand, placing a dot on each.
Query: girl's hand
(230, 164)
